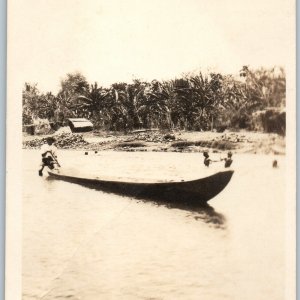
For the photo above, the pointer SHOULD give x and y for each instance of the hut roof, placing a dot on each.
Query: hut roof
(80, 122)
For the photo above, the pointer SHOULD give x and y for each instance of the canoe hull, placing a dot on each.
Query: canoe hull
(199, 190)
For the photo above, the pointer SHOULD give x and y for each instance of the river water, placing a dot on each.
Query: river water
(79, 243)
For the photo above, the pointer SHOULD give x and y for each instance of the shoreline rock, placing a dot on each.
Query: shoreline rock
(239, 142)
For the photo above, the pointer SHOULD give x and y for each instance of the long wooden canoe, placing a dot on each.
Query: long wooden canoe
(199, 190)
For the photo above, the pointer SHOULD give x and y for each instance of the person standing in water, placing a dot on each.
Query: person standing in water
(228, 160)
(207, 160)
(49, 158)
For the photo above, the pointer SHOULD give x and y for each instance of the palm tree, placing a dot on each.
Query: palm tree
(48, 104)
(64, 107)
(265, 87)
(30, 99)
(114, 112)
(126, 101)
(154, 107)
(92, 102)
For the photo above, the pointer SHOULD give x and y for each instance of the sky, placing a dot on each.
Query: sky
(117, 41)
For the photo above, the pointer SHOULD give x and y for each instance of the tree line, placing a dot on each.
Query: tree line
(191, 102)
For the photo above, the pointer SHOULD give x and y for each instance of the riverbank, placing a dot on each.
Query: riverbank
(158, 141)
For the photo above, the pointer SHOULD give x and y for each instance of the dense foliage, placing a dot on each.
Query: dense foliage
(192, 102)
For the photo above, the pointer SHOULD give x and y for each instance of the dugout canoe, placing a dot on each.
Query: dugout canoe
(199, 190)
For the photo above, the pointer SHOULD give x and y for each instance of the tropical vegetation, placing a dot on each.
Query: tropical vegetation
(192, 102)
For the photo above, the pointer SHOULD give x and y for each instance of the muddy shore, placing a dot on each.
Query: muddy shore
(158, 141)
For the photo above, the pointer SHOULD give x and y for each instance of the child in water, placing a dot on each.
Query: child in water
(228, 160)
(207, 160)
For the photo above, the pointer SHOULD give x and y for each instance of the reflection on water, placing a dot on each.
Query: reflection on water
(82, 243)
(200, 212)
(210, 216)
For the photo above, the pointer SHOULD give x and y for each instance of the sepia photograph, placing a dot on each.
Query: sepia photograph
(151, 150)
